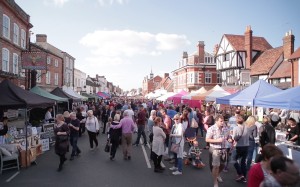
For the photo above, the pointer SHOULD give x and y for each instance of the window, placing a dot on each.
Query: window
(39, 76)
(15, 63)
(6, 26)
(48, 60)
(56, 79)
(5, 60)
(226, 57)
(48, 77)
(218, 77)
(196, 77)
(56, 62)
(16, 34)
(207, 77)
(67, 62)
(71, 64)
(23, 39)
(192, 78)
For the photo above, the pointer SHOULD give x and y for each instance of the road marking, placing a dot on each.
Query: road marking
(11, 178)
(146, 157)
(162, 164)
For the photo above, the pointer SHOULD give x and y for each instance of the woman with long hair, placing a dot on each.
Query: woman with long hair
(252, 130)
(61, 131)
(158, 147)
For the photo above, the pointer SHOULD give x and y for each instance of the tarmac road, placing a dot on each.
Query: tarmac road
(94, 168)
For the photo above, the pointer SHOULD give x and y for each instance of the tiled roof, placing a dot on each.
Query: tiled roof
(238, 42)
(284, 70)
(296, 54)
(266, 61)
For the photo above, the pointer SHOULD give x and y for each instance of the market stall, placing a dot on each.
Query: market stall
(24, 137)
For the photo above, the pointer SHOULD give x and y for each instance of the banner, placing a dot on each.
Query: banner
(34, 60)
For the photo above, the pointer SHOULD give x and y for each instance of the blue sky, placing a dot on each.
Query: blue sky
(124, 39)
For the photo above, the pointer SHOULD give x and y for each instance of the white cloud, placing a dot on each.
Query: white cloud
(110, 2)
(58, 3)
(129, 43)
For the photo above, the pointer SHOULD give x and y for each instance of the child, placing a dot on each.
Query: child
(194, 156)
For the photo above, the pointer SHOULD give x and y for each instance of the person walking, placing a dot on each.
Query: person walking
(74, 126)
(141, 122)
(216, 136)
(114, 136)
(127, 125)
(252, 129)
(92, 127)
(158, 147)
(61, 131)
(177, 136)
(241, 137)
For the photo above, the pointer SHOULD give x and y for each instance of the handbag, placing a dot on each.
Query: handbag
(107, 147)
(194, 123)
(175, 147)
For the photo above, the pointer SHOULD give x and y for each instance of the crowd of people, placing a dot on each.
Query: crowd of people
(170, 130)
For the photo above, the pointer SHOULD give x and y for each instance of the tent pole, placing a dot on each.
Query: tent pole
(53, 111)
(26, 144)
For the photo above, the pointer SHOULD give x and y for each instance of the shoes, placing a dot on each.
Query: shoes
(219, 178)
(72, 158)
(59, 168)
(167, 159)
(225, 169)
(136, 145)
(125, 158)
(239, 178)
(172, 161)
(157, 170)
(177, 173)
(161, 168)
(206, 147)
(173, 168)
(244, 180)
(111, 158)
(129, 157)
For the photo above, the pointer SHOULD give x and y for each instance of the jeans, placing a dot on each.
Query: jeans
(241, 153)
(141, 131)
(250, 153)
(81, 129)
(73, 142)
(178, 162)
(201, 128)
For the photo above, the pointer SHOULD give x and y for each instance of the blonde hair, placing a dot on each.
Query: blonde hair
(66, 114)
(60, 117)
(250, 121)
(89, 112)
(117, 117)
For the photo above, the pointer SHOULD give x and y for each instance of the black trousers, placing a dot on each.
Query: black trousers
(156, 160)
(81, 129)
(93, 138)
(114, 145)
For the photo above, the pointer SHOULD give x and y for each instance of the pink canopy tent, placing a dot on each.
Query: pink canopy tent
(177, 97)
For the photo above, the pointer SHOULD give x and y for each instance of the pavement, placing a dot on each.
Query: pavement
(94, 168)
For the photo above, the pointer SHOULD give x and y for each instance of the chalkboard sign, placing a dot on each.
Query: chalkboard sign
(48, 132)
(45, 144)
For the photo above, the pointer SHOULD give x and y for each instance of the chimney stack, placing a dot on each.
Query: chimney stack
(288, 44)
(185, 54)
(166, 75)
(248, 47)
(41, 38)
(216, 48)
(201, 52)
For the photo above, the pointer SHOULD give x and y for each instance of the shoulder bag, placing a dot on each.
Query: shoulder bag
(175, 147)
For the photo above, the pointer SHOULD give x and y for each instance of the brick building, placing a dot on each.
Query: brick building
(295, 68)
(196, 71)
(151, 83)
(14, 38)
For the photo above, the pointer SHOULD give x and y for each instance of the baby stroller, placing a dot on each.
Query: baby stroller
(194, 155)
